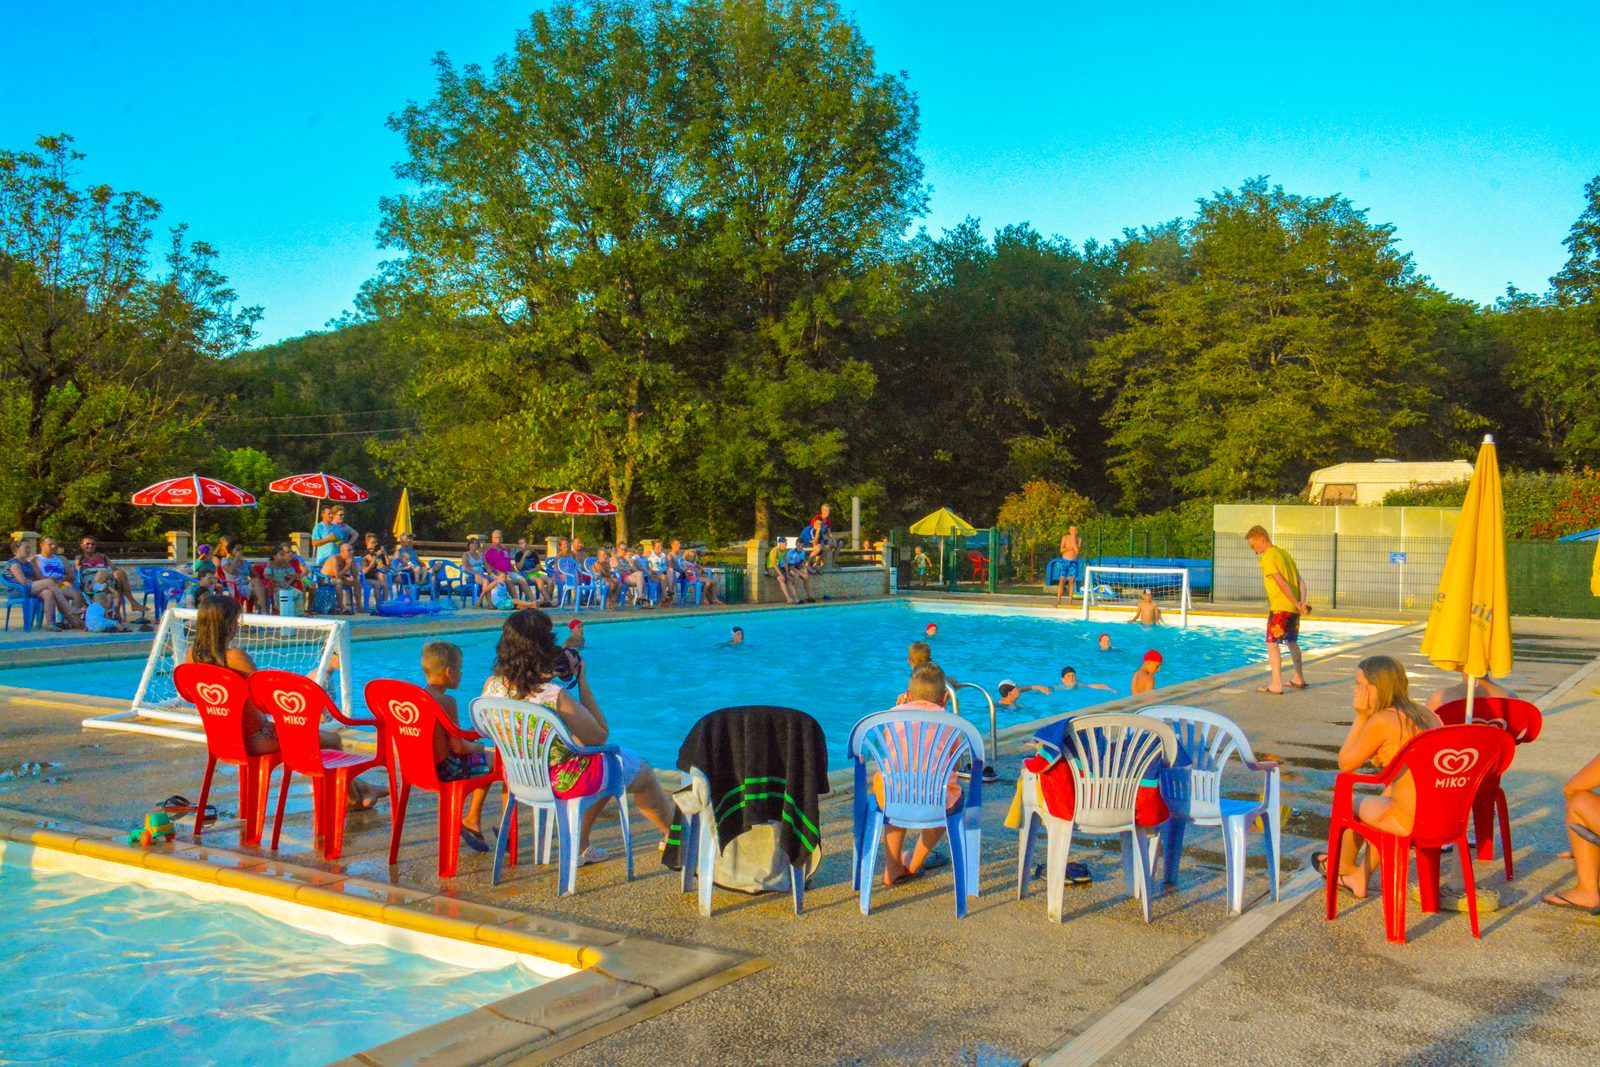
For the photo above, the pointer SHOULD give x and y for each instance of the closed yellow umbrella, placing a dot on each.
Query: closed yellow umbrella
(942, 523)
(402, 515)
(1469, 626)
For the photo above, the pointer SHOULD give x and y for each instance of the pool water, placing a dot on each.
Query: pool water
(104, 972)
(655, 677)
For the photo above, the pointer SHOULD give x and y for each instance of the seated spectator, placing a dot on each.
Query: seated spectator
(1582, 793)
(1485, 687)
(232, 574)
(408, 562)
(777, 571)
(455, 759)
(104, 601)
(91, 559)
(1385, 719)
(606, 575)
(928, 691)
(798, 572)
(374, 566)
(282, 570)
(497, 557)
(694, 572)
(525, 669)
(473, 568)
(204, 569)
(340, 571)
(55, 568)
(813, 542)
(22, 570)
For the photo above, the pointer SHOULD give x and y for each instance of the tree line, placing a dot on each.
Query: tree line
(665, 252)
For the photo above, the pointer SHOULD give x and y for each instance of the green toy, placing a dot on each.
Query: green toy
(157, 827)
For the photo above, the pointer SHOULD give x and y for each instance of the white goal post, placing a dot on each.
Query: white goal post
(312, 647)
(1121, 588)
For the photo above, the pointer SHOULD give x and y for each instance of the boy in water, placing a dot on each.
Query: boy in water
(1069, 681)
(1011, 692)
(737, 637)
(1105, 643)
(1144, 679)
(454, 758)
(1146, 613)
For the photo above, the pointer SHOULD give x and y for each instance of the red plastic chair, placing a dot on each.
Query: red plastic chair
(980, 565)
(220, 694)
(297, 705)
(1448, 765)
(409, 714)
(1523, 721)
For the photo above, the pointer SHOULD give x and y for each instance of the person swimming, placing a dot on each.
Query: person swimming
(736, 637)
(1069, 681)
(932, 629)
(1105, 643)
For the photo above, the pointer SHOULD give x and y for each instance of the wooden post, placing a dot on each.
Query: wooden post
(755, 556)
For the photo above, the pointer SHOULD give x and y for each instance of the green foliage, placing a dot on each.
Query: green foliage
(1577, 511)
(1042, 509)
(1294, 337)
(1530, 497)
(252, 469)
(1579, 280)
(109, 340)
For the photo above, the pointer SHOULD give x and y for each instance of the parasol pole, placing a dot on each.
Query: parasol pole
(1472, 684)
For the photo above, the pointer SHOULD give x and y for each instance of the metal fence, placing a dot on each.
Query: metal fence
(1341, 571)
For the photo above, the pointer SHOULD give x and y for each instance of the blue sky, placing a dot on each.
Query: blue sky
(1471, 127)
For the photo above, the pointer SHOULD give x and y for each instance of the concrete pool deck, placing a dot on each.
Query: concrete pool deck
(910, 983)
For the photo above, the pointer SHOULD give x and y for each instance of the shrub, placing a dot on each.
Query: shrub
(1531, 500)
(1576, 511)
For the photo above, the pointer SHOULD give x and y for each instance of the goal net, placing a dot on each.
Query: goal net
(316, 648)
(1122, 588)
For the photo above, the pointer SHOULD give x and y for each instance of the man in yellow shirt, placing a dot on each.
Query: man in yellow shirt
(1286, 602)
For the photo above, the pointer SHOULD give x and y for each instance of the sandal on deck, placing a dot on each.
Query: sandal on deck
(1559, 900)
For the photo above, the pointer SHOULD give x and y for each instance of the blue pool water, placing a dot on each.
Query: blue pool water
(100, 972)
(654, 677)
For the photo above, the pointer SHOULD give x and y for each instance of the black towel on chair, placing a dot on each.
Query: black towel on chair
(764, 764)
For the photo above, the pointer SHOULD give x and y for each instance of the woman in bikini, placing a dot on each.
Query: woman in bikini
(215, 626)
(1386, 718)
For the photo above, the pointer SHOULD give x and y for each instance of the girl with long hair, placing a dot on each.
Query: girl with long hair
(216, 625)
(525, 665)
(1385, 719)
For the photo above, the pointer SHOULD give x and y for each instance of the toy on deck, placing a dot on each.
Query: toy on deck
(157, 827)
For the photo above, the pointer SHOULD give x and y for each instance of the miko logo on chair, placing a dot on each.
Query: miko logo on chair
(406, 715)
(291, 707)
(1453, 764)
(214, 698)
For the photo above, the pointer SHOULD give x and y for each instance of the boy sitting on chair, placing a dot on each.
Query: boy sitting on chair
(454, 758)
(928, 691)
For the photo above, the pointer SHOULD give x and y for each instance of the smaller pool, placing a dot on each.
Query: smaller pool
(107, 972)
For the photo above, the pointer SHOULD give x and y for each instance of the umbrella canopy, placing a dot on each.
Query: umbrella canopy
(573, 502)
(402, 515)
(193, 491)
(320, 486)
(942, 523)
(1469, 626)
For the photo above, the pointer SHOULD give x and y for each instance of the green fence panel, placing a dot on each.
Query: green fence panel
(1551, 578)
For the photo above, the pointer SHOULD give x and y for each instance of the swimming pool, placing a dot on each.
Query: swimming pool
(654, 677)
(104, 971)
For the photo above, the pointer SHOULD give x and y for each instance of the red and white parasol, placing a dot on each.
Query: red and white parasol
(573, 502)
(193, 491)
(320, 486)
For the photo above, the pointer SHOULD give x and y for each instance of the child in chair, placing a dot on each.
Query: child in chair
(454, 758)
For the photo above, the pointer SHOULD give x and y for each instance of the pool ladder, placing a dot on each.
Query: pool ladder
(990, 773)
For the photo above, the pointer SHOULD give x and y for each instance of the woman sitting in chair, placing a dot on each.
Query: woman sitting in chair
(1386, 718)
(1582, 793)
(524, 669)
(215, 626)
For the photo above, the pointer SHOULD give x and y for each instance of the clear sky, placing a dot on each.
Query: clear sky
(1470, 126)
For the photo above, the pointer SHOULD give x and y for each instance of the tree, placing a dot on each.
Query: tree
(105, 351)
(1296, 336)
(541, 270)
(1579, 280)
(805, 178)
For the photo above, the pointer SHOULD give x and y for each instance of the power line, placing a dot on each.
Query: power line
(314, 415)
(349, 433)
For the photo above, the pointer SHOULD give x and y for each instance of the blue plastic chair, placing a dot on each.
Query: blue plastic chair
(1192, 787)
(163, 585)
(596, 589)
(690, 582)
(523, 733)
(568, 584)
(449, 580)
(18, 595)
(917, 751)
(652, 584)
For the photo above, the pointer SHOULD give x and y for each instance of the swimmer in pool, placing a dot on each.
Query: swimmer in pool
(1069, 681)
(1011, 693)
(736, 637)
(932, 629)
(1105, 643)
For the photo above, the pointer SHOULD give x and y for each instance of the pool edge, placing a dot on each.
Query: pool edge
(617, 975)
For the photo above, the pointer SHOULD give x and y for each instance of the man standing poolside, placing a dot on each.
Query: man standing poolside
(1286, 602)
(1071, 549)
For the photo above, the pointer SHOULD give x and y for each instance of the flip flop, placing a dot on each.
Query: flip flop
(1585, 833)
(1299, 685)
(934, 861)
(1269, 692)
(593, 855)
(474, 839)
(1559, 900)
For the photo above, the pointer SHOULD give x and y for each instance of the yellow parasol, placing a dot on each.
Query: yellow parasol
(1469, 627)
(402, 515)
(942, 523)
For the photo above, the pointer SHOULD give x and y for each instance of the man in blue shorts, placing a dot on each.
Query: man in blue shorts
(1071, 571)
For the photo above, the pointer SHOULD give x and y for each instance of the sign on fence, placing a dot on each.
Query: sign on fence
(1397, 557)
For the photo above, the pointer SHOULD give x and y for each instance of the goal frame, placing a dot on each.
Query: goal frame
(335, 642)
(1185, 601)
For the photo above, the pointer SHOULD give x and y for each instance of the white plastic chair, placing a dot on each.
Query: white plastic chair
(1192, 787)
(1109, 756)
(523, 733)
(916, 751)
(699, 850)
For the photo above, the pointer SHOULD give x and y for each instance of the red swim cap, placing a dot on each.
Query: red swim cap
(573, 624)
(1153, 657)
